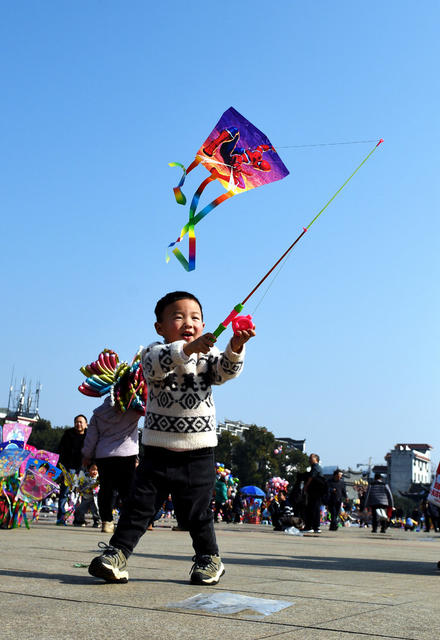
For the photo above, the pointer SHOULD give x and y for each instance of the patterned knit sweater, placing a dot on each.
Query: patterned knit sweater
(180, 408)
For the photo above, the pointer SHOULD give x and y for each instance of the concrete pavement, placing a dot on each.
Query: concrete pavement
(347, 584)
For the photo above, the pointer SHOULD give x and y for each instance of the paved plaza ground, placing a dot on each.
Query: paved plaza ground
(348, 584)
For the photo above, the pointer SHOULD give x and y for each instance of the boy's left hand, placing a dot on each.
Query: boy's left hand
(240, 338)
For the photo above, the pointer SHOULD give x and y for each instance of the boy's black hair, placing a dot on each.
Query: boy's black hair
(80, 415)
(174, 296)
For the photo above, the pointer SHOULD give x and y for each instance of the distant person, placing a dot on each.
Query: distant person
(112, 440)
(281, 512)
(379, 496)
(297, 497)
(315, 488)
(237, 506)
(433, 515)
(88, 489)
(69, 449)
(221, 495)
(336, 495)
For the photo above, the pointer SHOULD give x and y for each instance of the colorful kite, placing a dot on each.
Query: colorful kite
(12, 455)
(237, 154)
(16, 431)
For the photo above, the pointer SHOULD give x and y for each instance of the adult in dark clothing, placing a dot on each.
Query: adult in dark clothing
(297, 498)
(336, 494)
(237, 507)
(69, 449)
(432, 514)
(315, 489)
(379, 496)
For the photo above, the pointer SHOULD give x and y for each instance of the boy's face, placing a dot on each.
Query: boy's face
(181, 320)
(93, 471)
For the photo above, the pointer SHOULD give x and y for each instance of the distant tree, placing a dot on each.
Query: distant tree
(291, 462)
(254, 458)
(225, 449)
(41, 425)
(404, 505)
(44, 436)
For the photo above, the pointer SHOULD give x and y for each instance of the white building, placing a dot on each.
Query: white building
(236, 427)
(408, 464)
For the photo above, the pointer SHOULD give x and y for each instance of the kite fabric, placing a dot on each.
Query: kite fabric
(240, 157)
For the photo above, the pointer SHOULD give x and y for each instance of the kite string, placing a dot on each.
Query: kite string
(276, 274)
(324, 144)
(285, 255)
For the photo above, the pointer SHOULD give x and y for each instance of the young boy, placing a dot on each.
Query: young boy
(88, 490)
(179, 437)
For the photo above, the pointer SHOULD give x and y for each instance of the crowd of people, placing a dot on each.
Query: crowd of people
(313, 501)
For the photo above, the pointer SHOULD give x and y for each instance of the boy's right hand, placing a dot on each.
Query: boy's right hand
(200, 345)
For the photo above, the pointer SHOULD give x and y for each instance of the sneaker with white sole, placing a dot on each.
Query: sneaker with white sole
(206, 569)
(107, 527)
(111, 565)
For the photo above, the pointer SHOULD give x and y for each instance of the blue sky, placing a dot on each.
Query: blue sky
(98, 97)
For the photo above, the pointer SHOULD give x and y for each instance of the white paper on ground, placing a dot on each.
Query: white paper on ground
(293, 531)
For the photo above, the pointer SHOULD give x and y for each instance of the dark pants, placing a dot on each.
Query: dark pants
(334, 509)
(115, 474)
(62, 501)
(313, 512)
(190, 478)
(375, 520)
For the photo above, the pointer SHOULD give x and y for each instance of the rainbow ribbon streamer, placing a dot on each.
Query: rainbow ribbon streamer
(190, 264)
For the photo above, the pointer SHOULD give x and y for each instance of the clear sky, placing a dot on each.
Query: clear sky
(98, 97)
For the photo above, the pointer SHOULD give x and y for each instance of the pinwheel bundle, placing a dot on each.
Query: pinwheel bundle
(124, 382)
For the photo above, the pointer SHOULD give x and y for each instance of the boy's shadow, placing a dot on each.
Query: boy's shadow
(80, 580)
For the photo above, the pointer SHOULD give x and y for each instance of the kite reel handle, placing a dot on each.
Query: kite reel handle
(242, 323)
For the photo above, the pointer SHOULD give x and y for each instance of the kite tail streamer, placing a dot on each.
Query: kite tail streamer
(190, 263)
(178, 193)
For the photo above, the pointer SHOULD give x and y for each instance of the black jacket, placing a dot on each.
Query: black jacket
(70, 449)
(379, 494)
(336, 491)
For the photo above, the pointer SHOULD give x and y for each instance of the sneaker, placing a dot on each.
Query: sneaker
(307, 531)
(318, 531)
(96, 525)
(107, 527)
(79, 524)
(111, 565)
(206, 569)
